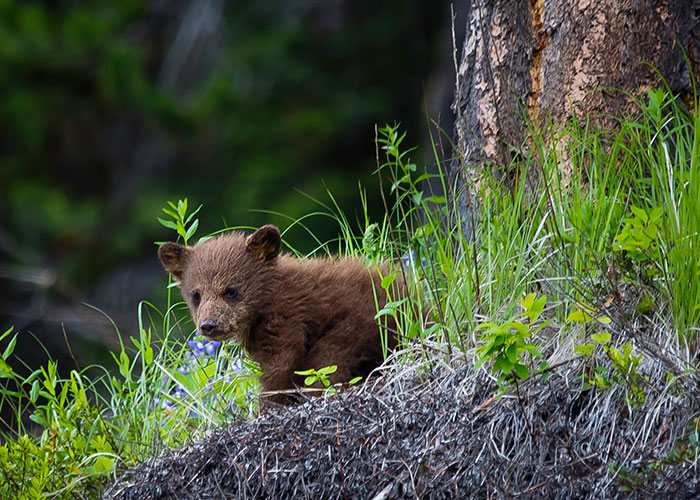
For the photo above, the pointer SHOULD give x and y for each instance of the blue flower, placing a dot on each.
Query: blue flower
(409, 261)
(202, 347)
(200, 354)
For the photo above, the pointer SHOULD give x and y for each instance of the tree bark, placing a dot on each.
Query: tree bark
(537, 59)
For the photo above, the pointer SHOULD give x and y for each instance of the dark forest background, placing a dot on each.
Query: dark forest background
(109, 109)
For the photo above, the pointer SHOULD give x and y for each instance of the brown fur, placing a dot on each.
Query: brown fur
(289, 314)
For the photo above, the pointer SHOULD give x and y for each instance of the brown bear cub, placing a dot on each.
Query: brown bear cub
(289, 314)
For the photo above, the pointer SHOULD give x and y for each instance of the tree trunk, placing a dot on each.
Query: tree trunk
(551, 58)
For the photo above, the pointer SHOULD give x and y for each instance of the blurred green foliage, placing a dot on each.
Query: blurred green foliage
(110, 108)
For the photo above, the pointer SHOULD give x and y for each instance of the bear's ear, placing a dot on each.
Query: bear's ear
(174, 257)
(264, 243)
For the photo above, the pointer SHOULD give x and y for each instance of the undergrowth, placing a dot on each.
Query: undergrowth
(591, 254)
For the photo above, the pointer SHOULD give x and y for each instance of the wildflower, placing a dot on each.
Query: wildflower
(200, 355)
(202, 347)
(409, 261)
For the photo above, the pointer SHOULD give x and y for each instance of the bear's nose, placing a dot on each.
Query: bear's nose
(207, 326)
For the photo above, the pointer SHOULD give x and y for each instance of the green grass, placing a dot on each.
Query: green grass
(612, 246)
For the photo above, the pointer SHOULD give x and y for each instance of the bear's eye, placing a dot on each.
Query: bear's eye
(230, 293)
(196, 298)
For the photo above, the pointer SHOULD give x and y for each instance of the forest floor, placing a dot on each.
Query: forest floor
(444, 434)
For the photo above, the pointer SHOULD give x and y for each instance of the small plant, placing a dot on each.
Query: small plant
(321, 375)
(507, 343)
(640, 240)
(624, 363)
(76, 443)
(182, 222)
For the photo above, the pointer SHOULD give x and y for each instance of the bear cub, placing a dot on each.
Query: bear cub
(288, 314)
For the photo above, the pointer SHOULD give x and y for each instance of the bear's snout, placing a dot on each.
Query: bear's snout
(207, 327)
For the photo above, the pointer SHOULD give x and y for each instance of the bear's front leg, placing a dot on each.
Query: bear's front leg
(278, 379)
(280, 350)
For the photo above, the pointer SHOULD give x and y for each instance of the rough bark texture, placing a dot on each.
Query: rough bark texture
(542, 58)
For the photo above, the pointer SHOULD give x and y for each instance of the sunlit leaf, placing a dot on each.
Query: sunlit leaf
(579, 316)
(601, 338)
(521, 371)
(584, 350)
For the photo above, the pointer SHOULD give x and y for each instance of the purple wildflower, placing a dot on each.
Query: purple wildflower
(409, 261)
(202, 347)
(200, 354)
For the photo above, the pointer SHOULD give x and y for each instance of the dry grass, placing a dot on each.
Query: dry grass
(443, 435)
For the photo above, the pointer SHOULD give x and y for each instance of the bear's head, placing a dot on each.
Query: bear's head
(226, 281)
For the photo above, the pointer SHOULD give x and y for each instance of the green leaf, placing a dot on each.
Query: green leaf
(605, 320)
(486, 351)
(512, 353)
(414, 330)
(601, 338)
(656, 214)
(170, 213)
(538, 307)
(180, 229)
(327, 370)
(34, 392)
(9, 331)
(521, 371)
(310, 380)
(389, 308)
(579, 316)
(584, 350)
(640, 214)
(32, 376)
(182, 207)
(148, 355)
(10, 347)
(124, 364)
(388, 280)
(519, 327)
(498, 340)
(428, 331)
(167, 223)
(528, 300)
(189, 218)
(437, 199)
(423, 177)
(354, 380)
(37, 418)
(651, 231)
(534, 351)
(191, 229)
(503, 364)
(5, 369)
